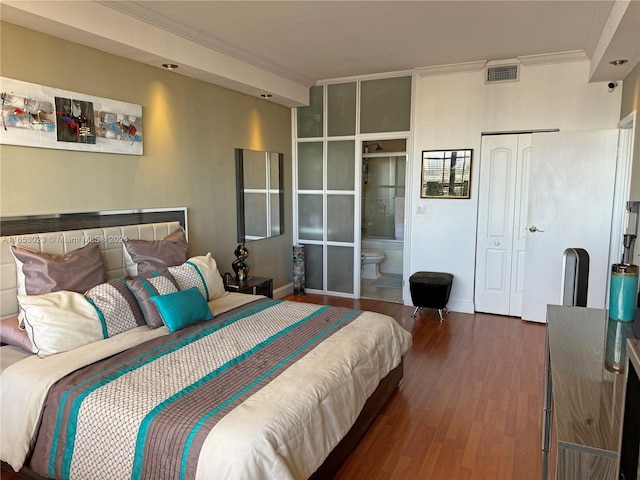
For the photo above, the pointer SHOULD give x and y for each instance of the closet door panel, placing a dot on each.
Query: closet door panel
(340, 269)
(519, 244)
(341, 109)
(313, 260)
(341, 165)
(498, 160)
(385, 105)
(310, 217)
(310, 166)
(340, 212)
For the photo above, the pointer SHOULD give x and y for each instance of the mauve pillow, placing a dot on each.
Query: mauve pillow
(145, 288)
(11, 334)
(75, 271)
(146, 256)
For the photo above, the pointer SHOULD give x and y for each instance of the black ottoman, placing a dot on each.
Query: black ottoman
(430, 290)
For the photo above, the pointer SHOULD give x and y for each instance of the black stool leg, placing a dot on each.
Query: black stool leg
(415, 311)
(441, 311)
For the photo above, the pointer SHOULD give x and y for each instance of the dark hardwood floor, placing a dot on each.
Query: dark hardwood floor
(470, 405)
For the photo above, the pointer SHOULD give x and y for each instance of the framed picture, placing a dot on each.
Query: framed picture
(446, 174)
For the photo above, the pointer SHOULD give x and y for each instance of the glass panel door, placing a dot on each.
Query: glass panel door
(328, 174)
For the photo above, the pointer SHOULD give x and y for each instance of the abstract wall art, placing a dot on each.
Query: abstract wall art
(46, 117)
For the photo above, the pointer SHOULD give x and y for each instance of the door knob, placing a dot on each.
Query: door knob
(533, 229)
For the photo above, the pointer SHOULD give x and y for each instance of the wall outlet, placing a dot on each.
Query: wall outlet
(422, 209)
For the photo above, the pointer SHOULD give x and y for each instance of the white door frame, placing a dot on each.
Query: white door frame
(371, 137)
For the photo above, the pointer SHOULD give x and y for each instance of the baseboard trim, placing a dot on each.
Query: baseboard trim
(461, 306)
(283, 291)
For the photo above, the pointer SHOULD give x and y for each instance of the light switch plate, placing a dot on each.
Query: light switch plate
(422, 209)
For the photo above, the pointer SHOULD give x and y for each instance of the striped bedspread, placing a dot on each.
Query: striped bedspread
(265, 390)
(173, 390)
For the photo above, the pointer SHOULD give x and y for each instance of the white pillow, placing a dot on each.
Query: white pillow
(60, 321)
(197, 270)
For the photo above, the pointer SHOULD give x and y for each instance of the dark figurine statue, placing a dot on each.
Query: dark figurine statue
(240, 264)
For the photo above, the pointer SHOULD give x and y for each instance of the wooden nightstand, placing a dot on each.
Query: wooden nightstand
(253, 286)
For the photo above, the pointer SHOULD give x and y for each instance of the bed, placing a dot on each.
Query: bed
(248, 387)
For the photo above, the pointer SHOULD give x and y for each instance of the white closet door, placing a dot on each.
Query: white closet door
(502, 219)
(519, 243)
(571, 187)
(495, 223)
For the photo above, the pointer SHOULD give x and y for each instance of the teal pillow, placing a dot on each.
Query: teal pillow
(182, 308)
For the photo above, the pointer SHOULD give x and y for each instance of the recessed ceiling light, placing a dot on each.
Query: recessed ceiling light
(266, 95)
(617, 63)
(170, 66)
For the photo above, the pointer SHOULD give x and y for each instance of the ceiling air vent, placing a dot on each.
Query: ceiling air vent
(502, 73)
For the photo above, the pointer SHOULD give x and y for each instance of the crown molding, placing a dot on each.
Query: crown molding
(451, 68)
(372, 76)
(559, 57)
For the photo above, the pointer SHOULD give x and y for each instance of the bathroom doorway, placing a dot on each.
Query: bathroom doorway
(384, 165)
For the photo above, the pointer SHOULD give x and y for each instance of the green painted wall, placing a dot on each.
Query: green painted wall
(191, 129)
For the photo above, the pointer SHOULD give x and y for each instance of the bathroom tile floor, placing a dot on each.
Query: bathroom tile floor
(371, 288)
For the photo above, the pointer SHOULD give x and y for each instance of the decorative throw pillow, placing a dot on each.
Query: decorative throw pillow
(12, 334)
(116, 306)
(145, 288)
(180, 309)
(201, 272)
(75, 271)
(60, 321)
(146, 256)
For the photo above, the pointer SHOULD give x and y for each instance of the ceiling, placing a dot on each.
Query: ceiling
(284, 47)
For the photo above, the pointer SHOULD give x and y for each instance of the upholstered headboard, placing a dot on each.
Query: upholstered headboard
(59, 234)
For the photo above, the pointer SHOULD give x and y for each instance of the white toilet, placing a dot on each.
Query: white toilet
(371, 260)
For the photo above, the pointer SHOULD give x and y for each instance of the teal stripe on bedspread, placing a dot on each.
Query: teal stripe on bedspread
(91, 384)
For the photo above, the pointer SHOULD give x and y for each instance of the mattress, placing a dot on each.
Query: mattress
(292, 379)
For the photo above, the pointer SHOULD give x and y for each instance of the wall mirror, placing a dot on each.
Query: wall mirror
(259, 182)
(446, 174)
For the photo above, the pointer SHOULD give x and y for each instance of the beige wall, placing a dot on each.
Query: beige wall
(191, 129)
(631, 103)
